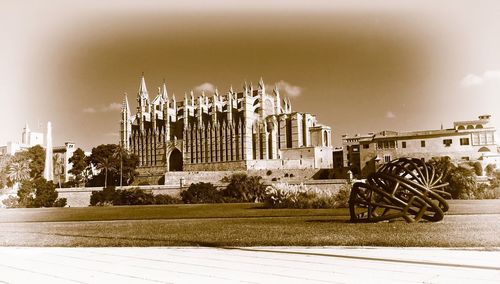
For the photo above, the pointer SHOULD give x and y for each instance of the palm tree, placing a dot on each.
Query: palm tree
(106, 164)
(19, 171)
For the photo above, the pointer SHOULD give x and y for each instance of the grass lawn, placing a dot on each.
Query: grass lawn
(469, 224)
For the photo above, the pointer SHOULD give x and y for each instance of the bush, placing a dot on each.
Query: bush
(11, 202)
(478, 168)
(243, 188)
(342, 196)
(283, 195)
(166, 199)
(104, 197)
(201, 193)
(60, 202)
(133, 196)
(462, 183)
(490, 170)
(37, 193)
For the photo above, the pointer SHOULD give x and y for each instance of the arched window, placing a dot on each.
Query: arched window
(479, 126)
(484, 149)
(325, 138)
(470, 126)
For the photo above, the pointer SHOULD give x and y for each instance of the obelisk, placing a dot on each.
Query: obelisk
(48, 172)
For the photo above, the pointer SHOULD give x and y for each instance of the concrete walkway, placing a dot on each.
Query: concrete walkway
(249, 265)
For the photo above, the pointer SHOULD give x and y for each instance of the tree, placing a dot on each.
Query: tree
(245, 188)
(5, 161)
(26, 194)
(462, 183)
(36, 156)
(80, 163)
(37, 193)
(19, 171)
(442, 165)
(478, 168)
(106, 158)
(103, 157)
(490, 170)
(130, 164)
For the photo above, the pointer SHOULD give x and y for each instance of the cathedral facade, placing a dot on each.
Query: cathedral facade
(245, 130)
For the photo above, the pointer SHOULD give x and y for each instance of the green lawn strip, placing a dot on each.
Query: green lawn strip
(190, 211)
(455, 231)
(182, 211)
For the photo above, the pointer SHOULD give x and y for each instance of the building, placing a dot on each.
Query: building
(250, 129)
(28, 139)
(62, 166)
(472, 140)
(61, 154)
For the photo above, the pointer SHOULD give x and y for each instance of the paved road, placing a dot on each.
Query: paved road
(249, 265)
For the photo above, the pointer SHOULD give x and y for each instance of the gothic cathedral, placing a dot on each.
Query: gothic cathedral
(250, 129)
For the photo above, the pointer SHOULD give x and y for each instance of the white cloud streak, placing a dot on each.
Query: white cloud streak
(89, 110)
(108, 108)
(205, 87)
(390, 115)
(477, 80)
(286, 88)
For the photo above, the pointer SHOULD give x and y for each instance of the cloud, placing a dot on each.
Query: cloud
(110, 107)
(112, 134)
(89, 110)
(205, 87)
(286, 88)
(390, 115)
(477, 80)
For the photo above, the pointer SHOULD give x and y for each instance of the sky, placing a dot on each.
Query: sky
(359, 66)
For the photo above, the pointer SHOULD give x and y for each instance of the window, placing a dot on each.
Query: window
(387, 158)
(366, 146)
(390, 144)
(465, 158)
(422, 143)
(403, 144)
(464, 141)
(447, 142)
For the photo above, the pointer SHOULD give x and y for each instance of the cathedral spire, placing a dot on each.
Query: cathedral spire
(164, 92)
(261, 83)
(125, 105)
(142, 87)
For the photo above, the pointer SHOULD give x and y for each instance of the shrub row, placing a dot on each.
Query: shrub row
(241, 188)
(133, 196)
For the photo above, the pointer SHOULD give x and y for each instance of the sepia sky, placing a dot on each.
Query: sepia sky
(360, 66)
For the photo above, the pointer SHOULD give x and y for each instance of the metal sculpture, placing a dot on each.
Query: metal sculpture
(403, 188)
